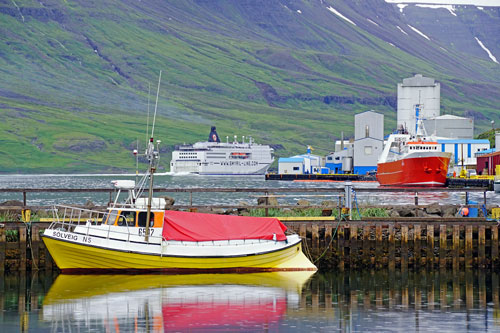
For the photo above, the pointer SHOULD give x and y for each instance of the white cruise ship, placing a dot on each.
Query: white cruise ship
(216, 158)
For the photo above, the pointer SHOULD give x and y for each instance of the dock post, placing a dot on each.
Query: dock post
(494, 247)
(481, 247)
(3, 246)
(416, 246)
(22, 248)
(366, 246)
(315, 236)
(404, 248)
(392, 249)
(340, 247)
(348, 197)
(456, 248)
(303, 232)
(442, 246)
(416, 198)
(468, 246)
(378, 246)
(430, 246)
(353, 254)
(328, 236)
(267, 203)
(35, 246)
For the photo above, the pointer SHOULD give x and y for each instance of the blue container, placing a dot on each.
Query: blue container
(473, 211)
(325, 171)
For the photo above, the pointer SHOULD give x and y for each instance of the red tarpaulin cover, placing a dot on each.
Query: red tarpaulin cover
(197, 227)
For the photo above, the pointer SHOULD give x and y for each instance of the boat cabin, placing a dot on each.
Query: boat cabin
(132, 218)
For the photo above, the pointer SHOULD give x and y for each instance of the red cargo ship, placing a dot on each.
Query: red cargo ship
(407, 162)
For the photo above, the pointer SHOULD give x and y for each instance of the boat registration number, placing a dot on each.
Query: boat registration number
(142, 231)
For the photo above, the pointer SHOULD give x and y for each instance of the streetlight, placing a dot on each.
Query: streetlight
(493, 125)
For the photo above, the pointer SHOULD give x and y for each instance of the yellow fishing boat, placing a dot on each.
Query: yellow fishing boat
(140, 235)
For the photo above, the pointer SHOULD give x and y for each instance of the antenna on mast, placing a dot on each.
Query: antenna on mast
(156, 105)
(147, 124)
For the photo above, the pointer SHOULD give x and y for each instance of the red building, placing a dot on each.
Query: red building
(486, 163)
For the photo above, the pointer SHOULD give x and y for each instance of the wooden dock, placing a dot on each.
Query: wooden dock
(402, 243)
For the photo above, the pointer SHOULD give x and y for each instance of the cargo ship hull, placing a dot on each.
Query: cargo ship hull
(417, 169)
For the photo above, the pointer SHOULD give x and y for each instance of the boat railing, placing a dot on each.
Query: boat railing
(91, 222)
(68, 217)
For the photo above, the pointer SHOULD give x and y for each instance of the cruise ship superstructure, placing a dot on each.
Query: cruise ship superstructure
(218, 158)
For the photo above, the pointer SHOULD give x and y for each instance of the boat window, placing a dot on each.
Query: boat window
(104, 218)
(142, 219)
(112, 217)
(126, 218)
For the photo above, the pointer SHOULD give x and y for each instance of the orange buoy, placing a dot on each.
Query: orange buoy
(464, 211)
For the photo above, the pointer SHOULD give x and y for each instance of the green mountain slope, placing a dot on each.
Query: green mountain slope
(76, 75)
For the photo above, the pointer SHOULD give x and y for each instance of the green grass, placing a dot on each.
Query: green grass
(58, 94)
(316, 212)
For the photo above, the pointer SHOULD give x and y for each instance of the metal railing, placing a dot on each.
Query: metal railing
(67, 218)
(266, 192)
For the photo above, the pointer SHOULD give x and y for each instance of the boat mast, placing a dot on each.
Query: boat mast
(152, 156)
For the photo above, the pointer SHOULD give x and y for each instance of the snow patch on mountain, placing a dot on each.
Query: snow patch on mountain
(333, 10)
(450, 8)
(485, 3)
(402, 30)
(401, 7)
(492, 57)
(372, 22)
(418, 32)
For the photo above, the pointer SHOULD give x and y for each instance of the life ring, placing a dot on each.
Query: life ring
(214, 137)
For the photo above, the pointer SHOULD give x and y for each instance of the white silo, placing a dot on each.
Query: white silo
(421, 93)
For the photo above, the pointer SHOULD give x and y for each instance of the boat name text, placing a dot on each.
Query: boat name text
(68, 236)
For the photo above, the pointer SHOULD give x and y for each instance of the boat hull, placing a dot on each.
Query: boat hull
(427, 170)
(74, 257)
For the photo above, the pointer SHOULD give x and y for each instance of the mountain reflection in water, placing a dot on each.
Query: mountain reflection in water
(337, 301)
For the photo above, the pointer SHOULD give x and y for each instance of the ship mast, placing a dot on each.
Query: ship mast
(153, 157)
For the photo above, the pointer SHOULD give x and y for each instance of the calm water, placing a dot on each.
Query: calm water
(290, 302)
(104, 181)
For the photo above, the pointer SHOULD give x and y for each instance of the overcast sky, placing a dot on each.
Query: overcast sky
(452, 2)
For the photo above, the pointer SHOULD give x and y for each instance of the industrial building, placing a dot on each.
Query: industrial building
(487, 163)
(418, 97)
(489, 160)
(340, 161)
(301, 164)
(449, 126)
(368, 141)
(463, 151)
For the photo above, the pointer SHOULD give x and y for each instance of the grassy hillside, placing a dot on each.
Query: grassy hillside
(76, 76)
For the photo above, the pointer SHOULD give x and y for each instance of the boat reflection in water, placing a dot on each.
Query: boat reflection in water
(172, 302)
